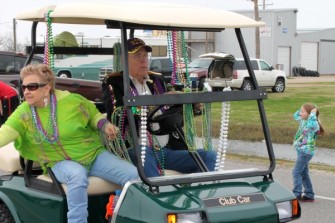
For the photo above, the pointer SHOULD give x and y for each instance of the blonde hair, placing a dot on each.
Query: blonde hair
(43, 71)
(309, 107)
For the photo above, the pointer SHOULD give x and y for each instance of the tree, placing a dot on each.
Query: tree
(65, 39)
(7, 43)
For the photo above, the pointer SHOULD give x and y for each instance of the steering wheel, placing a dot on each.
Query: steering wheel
(168, 121)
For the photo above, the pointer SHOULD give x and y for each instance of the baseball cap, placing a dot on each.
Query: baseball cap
(134, 44)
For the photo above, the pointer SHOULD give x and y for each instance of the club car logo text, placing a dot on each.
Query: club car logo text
(234, 200)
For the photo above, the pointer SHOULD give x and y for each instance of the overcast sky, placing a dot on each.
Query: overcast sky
(311, 14)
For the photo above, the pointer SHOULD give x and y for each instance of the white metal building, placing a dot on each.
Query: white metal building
(281, 44)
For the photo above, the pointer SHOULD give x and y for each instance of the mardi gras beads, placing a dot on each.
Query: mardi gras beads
(223, 139)
(50, 133)
(48, 48)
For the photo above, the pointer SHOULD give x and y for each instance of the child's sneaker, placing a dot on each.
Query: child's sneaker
(307, 199)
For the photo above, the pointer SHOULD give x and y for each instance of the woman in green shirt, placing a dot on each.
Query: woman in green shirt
(61, 130)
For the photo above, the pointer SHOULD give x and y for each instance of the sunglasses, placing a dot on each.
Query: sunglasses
(32, 86)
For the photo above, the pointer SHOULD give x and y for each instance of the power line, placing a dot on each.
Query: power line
(5, 22)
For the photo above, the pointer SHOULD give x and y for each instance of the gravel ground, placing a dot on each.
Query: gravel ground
(322, 156)
(309, 80)
(282, 151)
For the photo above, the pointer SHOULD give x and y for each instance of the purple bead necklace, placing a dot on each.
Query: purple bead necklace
(44, 134)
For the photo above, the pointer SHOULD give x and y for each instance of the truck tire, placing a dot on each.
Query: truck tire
(5, 215)
(246, 85)
(295, 71)
(302, 71)
(279, 85)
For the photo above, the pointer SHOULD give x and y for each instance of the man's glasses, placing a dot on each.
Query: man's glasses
(140, 57)
(32, 86)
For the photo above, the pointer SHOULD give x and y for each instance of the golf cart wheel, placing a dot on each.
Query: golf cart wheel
(5, 215)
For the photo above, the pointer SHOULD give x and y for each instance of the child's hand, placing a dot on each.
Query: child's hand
(314, 110)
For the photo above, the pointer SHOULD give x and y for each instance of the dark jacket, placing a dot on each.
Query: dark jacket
(113, 97)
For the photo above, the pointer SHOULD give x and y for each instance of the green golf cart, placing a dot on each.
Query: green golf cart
(231, 193)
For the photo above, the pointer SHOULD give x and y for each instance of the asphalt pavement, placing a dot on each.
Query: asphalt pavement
(322, 156)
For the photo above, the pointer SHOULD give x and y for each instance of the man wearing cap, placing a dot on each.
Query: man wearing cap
(159, 154)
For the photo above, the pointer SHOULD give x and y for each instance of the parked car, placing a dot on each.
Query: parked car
(10, 67)
(198, 71)
(162, 65)
(82, 66)
(11, 64)
(227, 70)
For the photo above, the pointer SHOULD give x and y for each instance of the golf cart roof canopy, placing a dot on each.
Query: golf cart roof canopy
(148, 14)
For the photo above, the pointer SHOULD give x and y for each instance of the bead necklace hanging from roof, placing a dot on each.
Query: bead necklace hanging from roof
(48, 48)
(117, 66)
(223, 139)
(206, 127)
(178, 54)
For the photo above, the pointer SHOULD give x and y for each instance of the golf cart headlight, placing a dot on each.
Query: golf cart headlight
(284, 209)
(185, 218)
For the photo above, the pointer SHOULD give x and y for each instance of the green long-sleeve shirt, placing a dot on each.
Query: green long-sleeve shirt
(77, 120)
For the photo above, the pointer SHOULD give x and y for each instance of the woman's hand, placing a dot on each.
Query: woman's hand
(111, 131)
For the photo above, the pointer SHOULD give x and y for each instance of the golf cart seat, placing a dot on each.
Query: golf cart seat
(10, 162)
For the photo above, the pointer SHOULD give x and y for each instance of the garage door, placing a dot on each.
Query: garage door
(284, 57)
(327, 49)
(309, 55)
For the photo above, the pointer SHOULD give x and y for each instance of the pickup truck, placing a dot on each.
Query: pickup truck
(197, 69)
(228, 71)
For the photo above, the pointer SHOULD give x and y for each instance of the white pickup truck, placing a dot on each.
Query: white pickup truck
(226, 70)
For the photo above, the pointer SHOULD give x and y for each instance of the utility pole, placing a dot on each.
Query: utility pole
(257, 33)
(14, 35)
